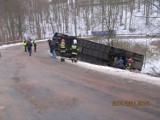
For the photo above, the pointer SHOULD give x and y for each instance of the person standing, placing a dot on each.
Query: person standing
(62, 48)
(49, 44)
(53, 49)
(129, 64)
(74, 51)
(25, 45)
(115, 62)
(121, 63)
(29, 47)
(35, 45)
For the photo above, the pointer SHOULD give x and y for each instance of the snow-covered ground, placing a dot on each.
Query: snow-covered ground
(122, 73)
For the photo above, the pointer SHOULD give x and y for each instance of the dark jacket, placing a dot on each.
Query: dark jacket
(52, 45)
(121, 63)
(49, 42)
(29, 45)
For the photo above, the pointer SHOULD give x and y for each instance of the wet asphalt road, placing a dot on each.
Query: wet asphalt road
(40, 88)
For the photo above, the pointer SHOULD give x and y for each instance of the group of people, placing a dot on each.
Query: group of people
(28, 45)
(120, 63)
(62, 48)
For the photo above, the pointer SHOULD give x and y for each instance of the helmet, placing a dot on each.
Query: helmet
(74, 41)
(130, 60)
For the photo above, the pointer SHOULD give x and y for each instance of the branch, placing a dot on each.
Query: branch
(155, 6)
(146, 17)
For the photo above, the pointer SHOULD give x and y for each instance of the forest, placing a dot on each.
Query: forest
(21, 18)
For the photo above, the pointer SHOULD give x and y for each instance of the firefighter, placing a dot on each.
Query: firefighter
(129, 64)
(74, 51)
(35, 45)
(25, 45)
(62, 49)
(115, 62)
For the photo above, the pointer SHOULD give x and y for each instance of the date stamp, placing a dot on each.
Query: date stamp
(131, 103)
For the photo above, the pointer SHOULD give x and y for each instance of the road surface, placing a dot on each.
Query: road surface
(40, 88)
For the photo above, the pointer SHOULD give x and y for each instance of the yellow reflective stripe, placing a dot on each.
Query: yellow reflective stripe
(74, 47)
(74, 53)
(24, 42)
(62, 45)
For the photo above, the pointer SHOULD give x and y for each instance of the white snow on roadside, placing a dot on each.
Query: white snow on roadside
(16, 44)
(152, 65)
(121, 73)
(10, 45)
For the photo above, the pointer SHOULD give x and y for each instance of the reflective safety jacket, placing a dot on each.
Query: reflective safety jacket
(129, 65)
(74, 49)
(34, 42)
(24, 42)
(62, 48)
